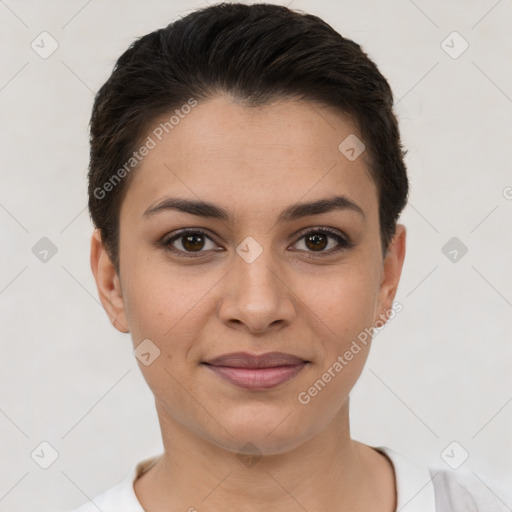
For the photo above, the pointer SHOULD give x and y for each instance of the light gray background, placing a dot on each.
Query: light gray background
(439, 372)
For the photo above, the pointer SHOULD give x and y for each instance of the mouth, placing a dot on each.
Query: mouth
(257, 372)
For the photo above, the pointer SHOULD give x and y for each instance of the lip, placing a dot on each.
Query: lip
(256, 371)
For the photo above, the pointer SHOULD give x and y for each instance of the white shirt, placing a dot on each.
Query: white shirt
(419, 489)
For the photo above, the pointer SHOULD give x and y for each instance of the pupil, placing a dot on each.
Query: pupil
(318, 241)
(193, 242)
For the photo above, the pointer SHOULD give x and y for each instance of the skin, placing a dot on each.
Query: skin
(254, 162)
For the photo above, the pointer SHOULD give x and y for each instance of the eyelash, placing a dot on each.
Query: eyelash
(343, 243)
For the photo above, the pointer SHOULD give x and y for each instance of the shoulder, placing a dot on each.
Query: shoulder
(465, 491)
(438, 490)
(121, 497)
(108, 501)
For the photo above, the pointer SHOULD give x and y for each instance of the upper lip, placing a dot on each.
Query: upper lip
(246, 360)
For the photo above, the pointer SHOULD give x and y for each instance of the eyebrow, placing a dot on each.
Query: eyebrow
(293, 212)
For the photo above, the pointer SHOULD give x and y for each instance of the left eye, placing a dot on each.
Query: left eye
(322, 241)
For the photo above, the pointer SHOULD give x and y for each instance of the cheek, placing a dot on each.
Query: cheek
(155, 307)
(346, 309)
(345, 303)
(166, 310)
(166, 305)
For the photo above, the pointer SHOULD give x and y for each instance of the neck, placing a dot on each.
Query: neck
(330, 472)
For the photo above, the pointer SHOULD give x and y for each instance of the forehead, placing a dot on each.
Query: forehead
(251, 157)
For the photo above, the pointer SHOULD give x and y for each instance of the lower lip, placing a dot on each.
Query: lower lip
(257, 378)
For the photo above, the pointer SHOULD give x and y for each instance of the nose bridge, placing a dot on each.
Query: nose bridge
(254, 265)
(257, 295)
(258, 276)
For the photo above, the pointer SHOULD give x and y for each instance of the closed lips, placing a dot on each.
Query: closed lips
(256, 372)
(255, 361)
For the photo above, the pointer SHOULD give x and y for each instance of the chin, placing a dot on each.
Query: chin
(256, 431)
(258, 444)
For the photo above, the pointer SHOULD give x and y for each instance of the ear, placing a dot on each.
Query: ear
(391, 272)
(108, 283)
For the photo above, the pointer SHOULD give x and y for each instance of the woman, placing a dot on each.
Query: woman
(245, 183)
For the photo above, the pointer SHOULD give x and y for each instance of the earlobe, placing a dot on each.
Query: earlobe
(392, 270)
(107, 283)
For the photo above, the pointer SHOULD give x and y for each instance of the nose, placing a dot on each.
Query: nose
(256, 297)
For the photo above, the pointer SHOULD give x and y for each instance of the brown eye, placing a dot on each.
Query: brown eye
(193, 242)
(186, 243)
(316, 241)
(322, 242)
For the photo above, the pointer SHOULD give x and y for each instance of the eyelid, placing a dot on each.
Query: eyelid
(341, 238)
(170, 237)
(167, 240)
(324, 229)
(343, 241)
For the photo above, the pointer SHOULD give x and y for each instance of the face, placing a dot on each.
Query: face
(255, 296)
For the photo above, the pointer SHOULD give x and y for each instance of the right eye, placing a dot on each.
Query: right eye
(189, 243)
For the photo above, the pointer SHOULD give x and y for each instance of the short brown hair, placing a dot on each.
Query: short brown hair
(257, 53)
